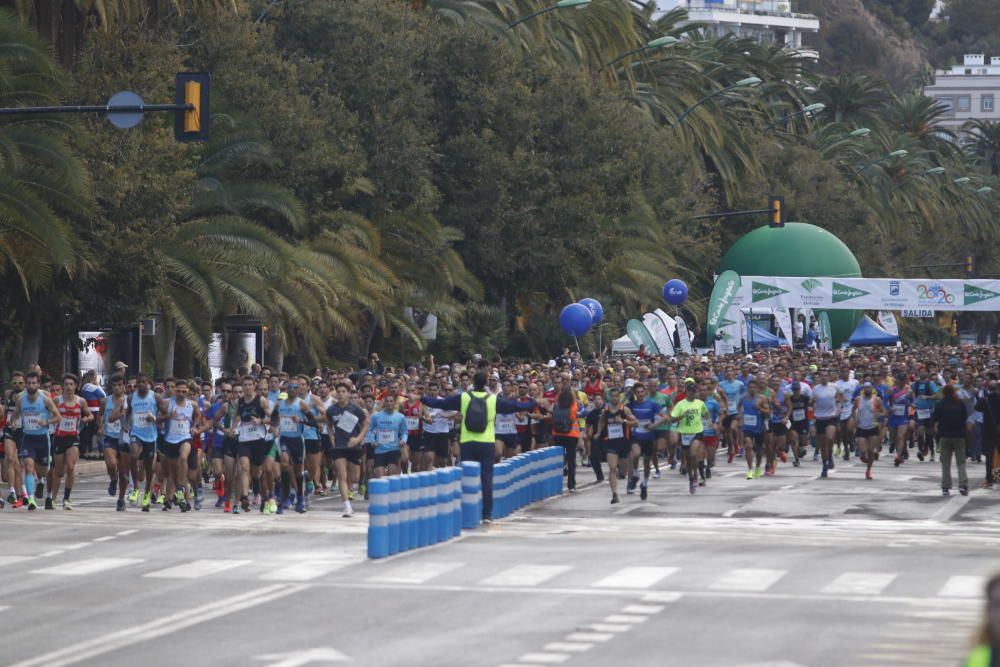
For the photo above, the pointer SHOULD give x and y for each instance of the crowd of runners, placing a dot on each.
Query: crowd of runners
(268, 441)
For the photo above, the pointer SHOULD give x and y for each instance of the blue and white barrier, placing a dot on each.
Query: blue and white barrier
(412, 511)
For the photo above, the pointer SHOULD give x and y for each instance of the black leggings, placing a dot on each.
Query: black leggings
(568, 443)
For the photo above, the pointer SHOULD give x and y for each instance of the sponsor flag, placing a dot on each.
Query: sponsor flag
(727, 286)
(887, 320)
(659, 333)
(639, 335)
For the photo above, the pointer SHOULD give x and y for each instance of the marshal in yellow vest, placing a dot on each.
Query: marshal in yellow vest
(487, 436)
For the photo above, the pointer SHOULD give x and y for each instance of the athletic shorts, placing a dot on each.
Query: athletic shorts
(727, 421)
(524, 437)
(294, 447)
(34, 447)
(437, 443)
(172, 450)
(896, 422)
(779, 428)
(62, 443)
(757, 439)
(926, 423)
(13, 435)
(509, 440)
(369, 450)
(646, 447)
(618, 446)
(866, 432)
(111, 442)
(352, 454)
(801, 427)
(312, 446)
(415, 441)
(255, 450)
(196, 441)
(844, 420)
(823, 422)
(148, 448)
(696, 436)
(711, 440)
(387, 459)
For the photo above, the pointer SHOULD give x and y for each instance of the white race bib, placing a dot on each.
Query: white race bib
(412, 423)
(249, 432)
(798, 415)
(687, 439)
(749, 420)
(347, 421)
(505, 425)
(923, 414)
(521, 421)
(643, 427)
(33, 422)
(288, 425)
(113, 428)
(180, 428)
(616, 431)
(142, 418)
(386, 436)
(67, 424)
(899, 410)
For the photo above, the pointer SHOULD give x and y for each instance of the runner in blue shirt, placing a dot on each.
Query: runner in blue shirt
(730, 391)
(647, 412)
(388, 431)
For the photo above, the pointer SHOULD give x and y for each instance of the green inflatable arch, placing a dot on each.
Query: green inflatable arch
(798, 249)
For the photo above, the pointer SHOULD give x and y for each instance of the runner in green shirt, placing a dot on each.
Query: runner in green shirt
(688, 415)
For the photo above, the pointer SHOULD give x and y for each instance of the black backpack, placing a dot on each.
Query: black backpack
(476, 414)
(561, 422)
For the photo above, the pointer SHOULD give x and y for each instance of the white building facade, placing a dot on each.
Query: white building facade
(769, 21)
(969, 91)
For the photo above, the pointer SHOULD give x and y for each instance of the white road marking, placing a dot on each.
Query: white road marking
(625, 618)
(306, 570)
(525, 575)
(589, 636)
(49, 554)
(3, 607)
(748, 580)
(131, 531)
(10, 560)
(644, 609)
(305, 657)
(415, 573)
(197, 569)
(607, 627)
(860, 583)
(165, 625)
(730, 513)
(88, 566)
(78, 545)
(105, 538)
(950, 508)
(665, 596)
(963, 586)
(544, 658)
(635, 577)
(568, 647)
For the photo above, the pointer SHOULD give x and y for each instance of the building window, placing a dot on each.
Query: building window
(986, 103)
(946, 102)
(965, 103)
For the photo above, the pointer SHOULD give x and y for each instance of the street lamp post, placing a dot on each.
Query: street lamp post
(933, 171)
(895, 154)
(657, 43)
(562, 4)
(810, 109)
(748, 82)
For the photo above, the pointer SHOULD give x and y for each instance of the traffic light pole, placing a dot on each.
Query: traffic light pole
(757, 211)
(96, 108)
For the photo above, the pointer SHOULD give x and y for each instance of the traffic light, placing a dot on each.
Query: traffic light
(970, 266)
(776, 211)
(954, 328)
(192, 88)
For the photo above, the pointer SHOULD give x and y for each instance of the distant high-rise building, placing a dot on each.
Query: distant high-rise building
(969, 91)
(769, 21)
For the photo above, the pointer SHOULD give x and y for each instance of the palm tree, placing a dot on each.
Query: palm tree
(852, 98)
(982, 144)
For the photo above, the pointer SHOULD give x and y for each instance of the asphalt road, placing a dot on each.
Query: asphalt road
(780, 571)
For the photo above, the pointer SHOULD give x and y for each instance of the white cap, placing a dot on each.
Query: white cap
(552, 363)
(629, 382)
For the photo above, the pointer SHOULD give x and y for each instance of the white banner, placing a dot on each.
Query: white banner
(728, 336)
(888, 322)
(682, 335)
(784, 321)
(659, 333)
(868, 293)
(670, 326)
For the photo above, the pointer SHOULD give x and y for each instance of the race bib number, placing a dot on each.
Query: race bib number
(347, 421)
(33, 422)
(180, 428)
(923, 414)
(113, 428)
(143, 418)
(67, 424)
(412, 423)
(749, 420)
(899, 410)
(386, 436)
(505, 426)
(521, 421)
(616, 431)
(250, 432)
(643, 427)
(687, 439)
(288, 425)
(798, 415)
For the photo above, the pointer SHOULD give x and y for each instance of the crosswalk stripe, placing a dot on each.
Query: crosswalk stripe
(10, 560)
(860, 583)
(414, 573)
(88, 566)
(544, 658)
(625, 618)
(749, 580)
(197, 569)
(568, 647)
(963, 586)
(635, 577)
(589, 636)
(525, 575)
(608, 627)
(305, 570)
(644, 609)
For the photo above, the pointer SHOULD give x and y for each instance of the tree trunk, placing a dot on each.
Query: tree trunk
(163, 347)
(275, 354)
(31, 338)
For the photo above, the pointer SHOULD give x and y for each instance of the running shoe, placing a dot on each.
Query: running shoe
(197, 504)
(769, 471)
(823, 474)
(66, 504)
(693, 487)
(166, 506)
(868, 474)
(1, 503)
(310, 488)
(12, 498)
(836, 450)
(749, 474)
(286, 503)
(796, 463)
(147, 498)
(963, 490)
(945, 492)
(199, 494)
(614, 498)
(756, 473)
(920, 455)
(673, 464)
(708, 472)
(349, 511)
(113, 487)
(643, 491)
(161, 499)
(656, 474)
(49, 505)
(21, 502)
(300, 506)
(350, 494)
(830, 464)
(179, 496)
(227, 507)
(40, 489)
(31, 504)
(784, 457)
(730, 457)
(220, 501)
(236, 509)
(120, 507)
(701, 482)
(816, 455)
(133, 497)
(245, 504)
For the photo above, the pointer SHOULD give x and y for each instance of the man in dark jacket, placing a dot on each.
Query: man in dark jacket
(989, 405)
(949, 421)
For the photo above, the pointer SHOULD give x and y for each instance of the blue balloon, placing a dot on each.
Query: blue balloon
(575, 319)
(595, 308)
(675, 292)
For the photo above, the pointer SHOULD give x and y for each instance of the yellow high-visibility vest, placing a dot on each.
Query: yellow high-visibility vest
(487, 436)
